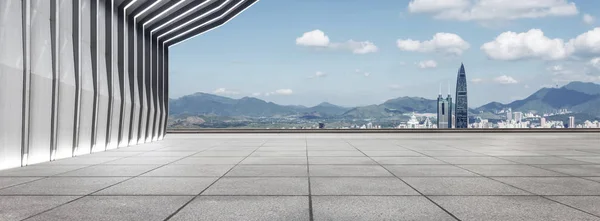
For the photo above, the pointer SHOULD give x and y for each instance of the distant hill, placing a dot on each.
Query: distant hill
(397, 106)
(579, 97)
(210, 104)
(576, 96)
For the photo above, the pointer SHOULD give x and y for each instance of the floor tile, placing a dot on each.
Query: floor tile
(209, 160)
(269, 170)
(111, 170)
(265, 186)
(586, 203)
(376, 208)
(354, 153)
(474, 160)
(116, 208)
(40, 170)
(12, 181)
(359, 186)
(461, 186)
(392, 153)
(20, 207)
(160, 186)
(553, 185)
(407, 160)
(428, 170)
(190, 170)
(348, 170)
(542, 160)
(574, 170)
(274, 160)
(235, 208)
(62, 186)
(508, 208)
(509, 170)
(340, 160)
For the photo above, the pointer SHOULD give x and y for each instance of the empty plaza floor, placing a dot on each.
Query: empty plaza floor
(426, 176)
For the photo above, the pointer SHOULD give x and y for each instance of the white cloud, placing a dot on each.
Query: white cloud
(313, 38)
(280, 92)
(366, 74)
(586, 44)
(256, 94)
(357, 47)
(504, 79)
(445, 43)
(589, 19)
(534, 44)
(492, 10)
(595, 62)
(427, 64)
(223, 91)
(476, 80)
(531, 44)
(317, 38)
(318, 74)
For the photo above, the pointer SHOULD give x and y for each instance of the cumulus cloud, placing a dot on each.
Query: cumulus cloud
(445, 43)
(427, 64)
(586, 44)
(317, 38)
(224, 91)
(589, 19)
(492, 10)
(504, 79)
(280, 92)
(531, 44)
(534, 44)
(313, 38)
(256, 94)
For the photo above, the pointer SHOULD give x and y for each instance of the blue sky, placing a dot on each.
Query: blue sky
(355, 52)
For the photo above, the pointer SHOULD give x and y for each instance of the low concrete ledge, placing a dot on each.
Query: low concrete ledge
(504, 130)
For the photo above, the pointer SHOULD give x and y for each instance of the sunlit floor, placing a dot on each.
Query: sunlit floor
(318, 177)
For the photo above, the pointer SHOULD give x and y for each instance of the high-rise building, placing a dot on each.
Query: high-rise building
(444, 111)
(461, 109)
(543, 122)
(571, 122)
(518, 116)
(508, 115)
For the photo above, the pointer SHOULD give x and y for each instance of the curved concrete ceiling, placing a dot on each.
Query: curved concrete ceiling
(170, 22)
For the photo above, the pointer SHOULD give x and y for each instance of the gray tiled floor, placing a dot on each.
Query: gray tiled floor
(317, 177)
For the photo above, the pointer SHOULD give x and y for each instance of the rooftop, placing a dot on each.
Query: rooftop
(417, 176)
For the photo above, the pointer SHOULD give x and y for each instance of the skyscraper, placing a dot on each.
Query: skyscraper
(444, 110)
(443, 119)
(462, 111)
(571, 122)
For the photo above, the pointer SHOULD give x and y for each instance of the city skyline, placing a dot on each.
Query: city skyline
(387, 50)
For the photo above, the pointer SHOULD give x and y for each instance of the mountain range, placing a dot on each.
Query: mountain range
(578, 97)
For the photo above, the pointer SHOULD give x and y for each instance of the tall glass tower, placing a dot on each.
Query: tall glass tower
(461, 112)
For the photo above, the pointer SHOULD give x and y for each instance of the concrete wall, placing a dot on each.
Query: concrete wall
(82, 76)
(63, 88)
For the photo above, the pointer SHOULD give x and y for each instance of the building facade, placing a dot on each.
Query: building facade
(82, 76)
(444, 111)
(461, 108)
